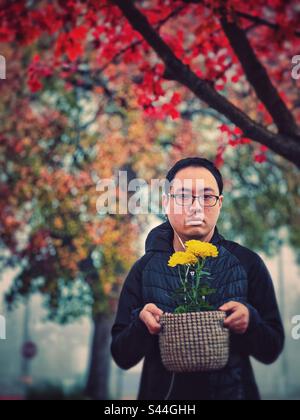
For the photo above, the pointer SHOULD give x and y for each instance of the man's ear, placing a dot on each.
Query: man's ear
(221, 201)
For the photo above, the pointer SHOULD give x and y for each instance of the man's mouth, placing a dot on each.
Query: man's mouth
(195, 222)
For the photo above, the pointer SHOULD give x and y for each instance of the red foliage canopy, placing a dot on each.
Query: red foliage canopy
(222, 51)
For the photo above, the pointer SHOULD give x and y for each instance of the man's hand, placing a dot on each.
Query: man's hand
(238, 321)
(150, 315)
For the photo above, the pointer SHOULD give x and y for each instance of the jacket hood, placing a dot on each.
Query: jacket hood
(160, 239)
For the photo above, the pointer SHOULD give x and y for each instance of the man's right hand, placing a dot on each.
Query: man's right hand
(150, 315)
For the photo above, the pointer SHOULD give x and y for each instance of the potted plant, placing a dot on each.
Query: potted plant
(193, 338)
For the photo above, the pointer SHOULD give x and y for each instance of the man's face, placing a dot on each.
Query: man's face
(195, 220)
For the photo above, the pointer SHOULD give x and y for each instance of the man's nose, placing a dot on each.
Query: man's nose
(198, 205)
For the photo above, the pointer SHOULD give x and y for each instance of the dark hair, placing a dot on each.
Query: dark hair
(196, 162)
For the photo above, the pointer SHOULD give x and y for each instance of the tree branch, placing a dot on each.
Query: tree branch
(258, 77)
(255, 19)
(135, 44)
(260, 21)
(285, 146)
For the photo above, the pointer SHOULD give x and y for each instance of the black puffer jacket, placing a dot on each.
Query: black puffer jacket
(238, 274)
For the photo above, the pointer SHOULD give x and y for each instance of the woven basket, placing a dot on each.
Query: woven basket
(194, 342)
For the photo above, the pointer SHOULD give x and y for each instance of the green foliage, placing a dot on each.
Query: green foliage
(261, 203)
(192, 295)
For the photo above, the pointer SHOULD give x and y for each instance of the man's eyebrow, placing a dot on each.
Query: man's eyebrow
(183, 190)
(189, 190)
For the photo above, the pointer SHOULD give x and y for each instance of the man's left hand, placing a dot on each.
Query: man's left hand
(239, 318)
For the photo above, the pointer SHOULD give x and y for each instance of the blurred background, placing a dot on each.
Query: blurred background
(83, 98)
(59, 365)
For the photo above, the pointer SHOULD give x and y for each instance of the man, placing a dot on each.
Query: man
(244, 291)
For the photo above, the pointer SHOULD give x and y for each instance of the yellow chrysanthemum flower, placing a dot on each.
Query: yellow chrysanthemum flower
(201, 249)
(182, 258)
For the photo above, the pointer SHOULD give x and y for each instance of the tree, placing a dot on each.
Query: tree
(51, 156)
(229, 46)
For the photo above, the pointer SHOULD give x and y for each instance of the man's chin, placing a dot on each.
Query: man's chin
(197, 229)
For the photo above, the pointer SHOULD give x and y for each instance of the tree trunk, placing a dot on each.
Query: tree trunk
(97, 386)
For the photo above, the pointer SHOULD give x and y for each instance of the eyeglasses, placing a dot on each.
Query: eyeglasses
(187, 200)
